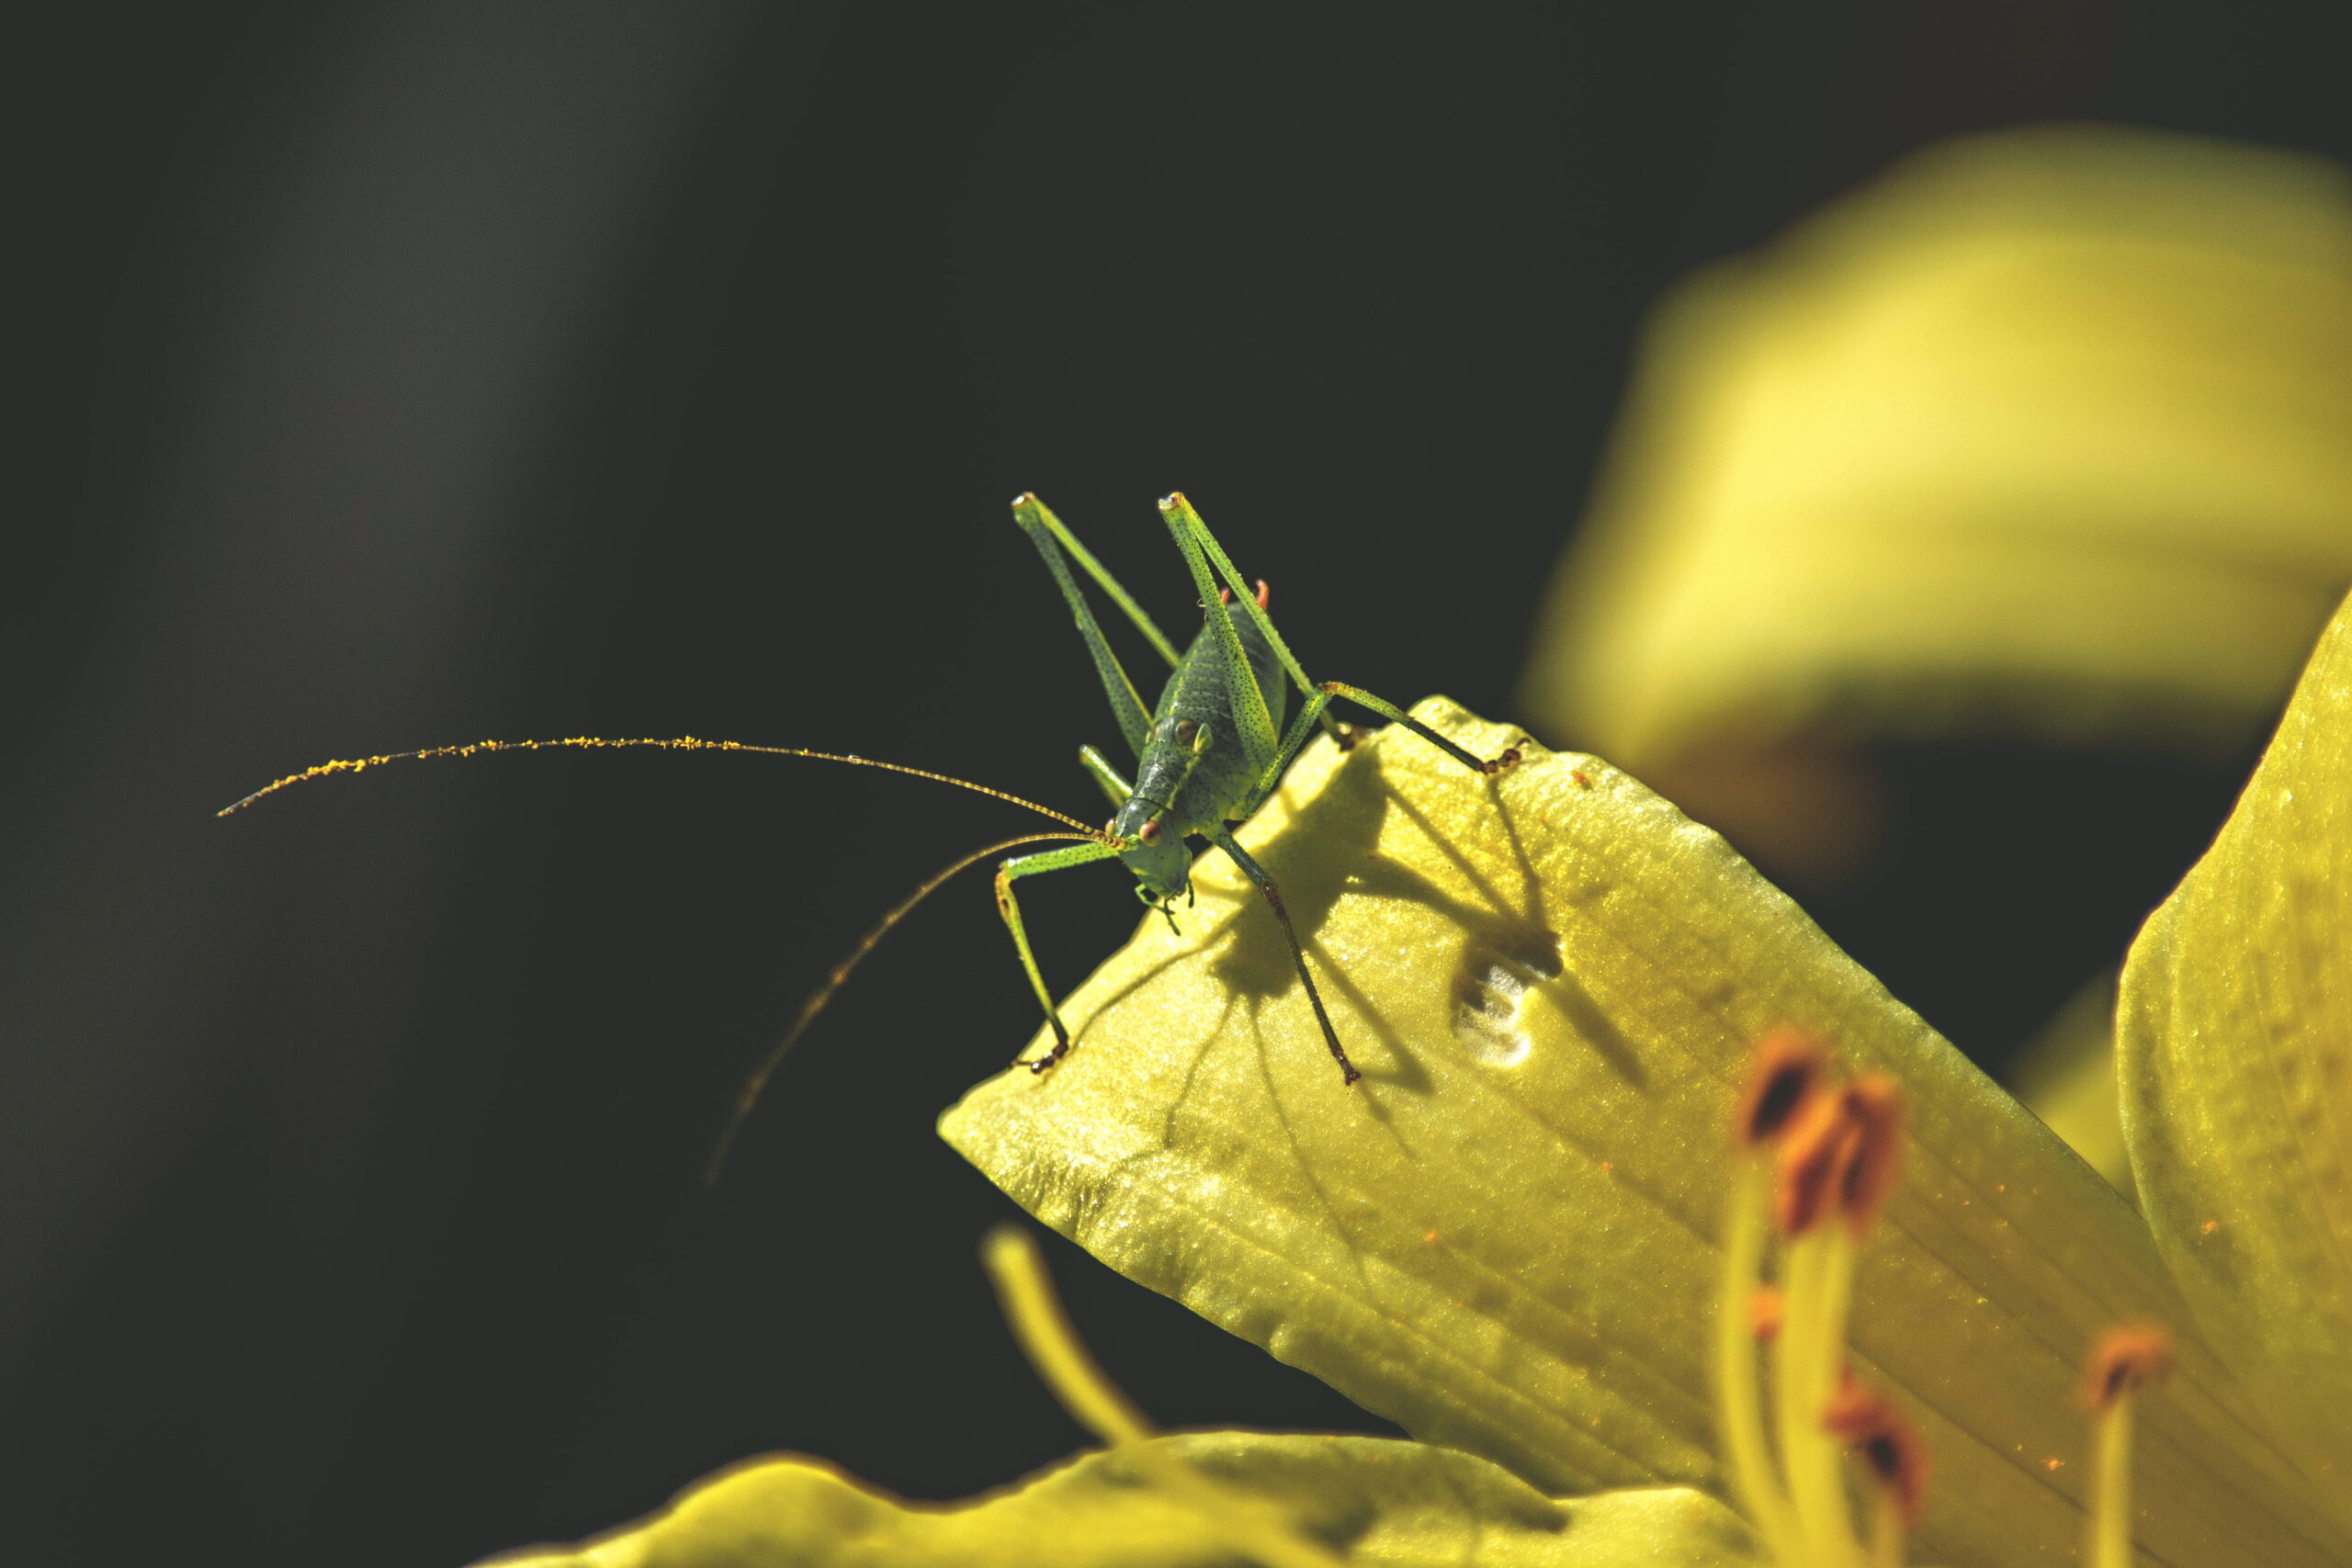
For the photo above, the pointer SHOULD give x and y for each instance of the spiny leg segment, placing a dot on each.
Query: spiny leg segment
(1046, 531)
(1192, 537)
(1010, 907)
(1223, 839)
(1305, 723)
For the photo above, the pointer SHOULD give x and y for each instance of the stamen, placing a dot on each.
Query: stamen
(2124, 1361)
(1808, 1360)
(1739, 1408)
(1879, 1434)
(1249, 1525)
(1876, 1105)
(1764, 1313)
(1840, 1156)
(1816, 1150)
(1834, 1154)
(2126, 1358)
(1789, 1070)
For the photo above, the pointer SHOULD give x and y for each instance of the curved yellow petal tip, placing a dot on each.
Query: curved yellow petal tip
(2234, 1064)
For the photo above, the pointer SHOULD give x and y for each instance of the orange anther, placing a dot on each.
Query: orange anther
(1787, 1073)
(1888, 1445)
(1876, 1105)
(1815, 1155)
(1839, 1158)
(2127, 1356)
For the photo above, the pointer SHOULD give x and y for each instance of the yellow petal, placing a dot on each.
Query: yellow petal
(2043, 433)
(2236, 1063)
(1505, 1238)
(1374, 1500)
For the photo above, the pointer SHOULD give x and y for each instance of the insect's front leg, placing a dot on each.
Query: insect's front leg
(1010, 907)
(1106, 778)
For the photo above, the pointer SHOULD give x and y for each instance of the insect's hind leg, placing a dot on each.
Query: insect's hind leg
(1390, 711)
(1010, 907)
(1192, 535)
(1043, 530)
(1265, 883)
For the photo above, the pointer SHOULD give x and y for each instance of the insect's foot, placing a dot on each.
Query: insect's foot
(1061, 1049)
(1352, 737)
(1348, 1074)
(1510, 759)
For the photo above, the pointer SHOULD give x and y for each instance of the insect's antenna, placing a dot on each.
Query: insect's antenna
(678, 743)
(749, 1095)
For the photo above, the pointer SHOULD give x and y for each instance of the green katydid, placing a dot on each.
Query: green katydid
(1207, 757)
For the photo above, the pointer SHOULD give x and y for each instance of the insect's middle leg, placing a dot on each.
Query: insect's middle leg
(1010, 907)
(1224, 839)
(1304, 725)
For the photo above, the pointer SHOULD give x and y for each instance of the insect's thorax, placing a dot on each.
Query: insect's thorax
(1198, 769)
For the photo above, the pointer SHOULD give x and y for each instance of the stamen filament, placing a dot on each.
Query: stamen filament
(1739, 1405)
(1255, 1529)
(2126, 1359)
(2110, 1530)
(1886, 1531)
(1805, 1368)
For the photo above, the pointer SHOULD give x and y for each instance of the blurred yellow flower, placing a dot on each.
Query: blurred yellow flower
(2042, 434)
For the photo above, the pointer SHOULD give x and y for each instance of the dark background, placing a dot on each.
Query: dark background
(411, 373)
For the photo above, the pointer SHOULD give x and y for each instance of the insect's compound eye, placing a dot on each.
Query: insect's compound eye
(1149, 831)
(1185, 731)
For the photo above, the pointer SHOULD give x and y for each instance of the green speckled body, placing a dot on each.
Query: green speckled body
(1189, 787)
